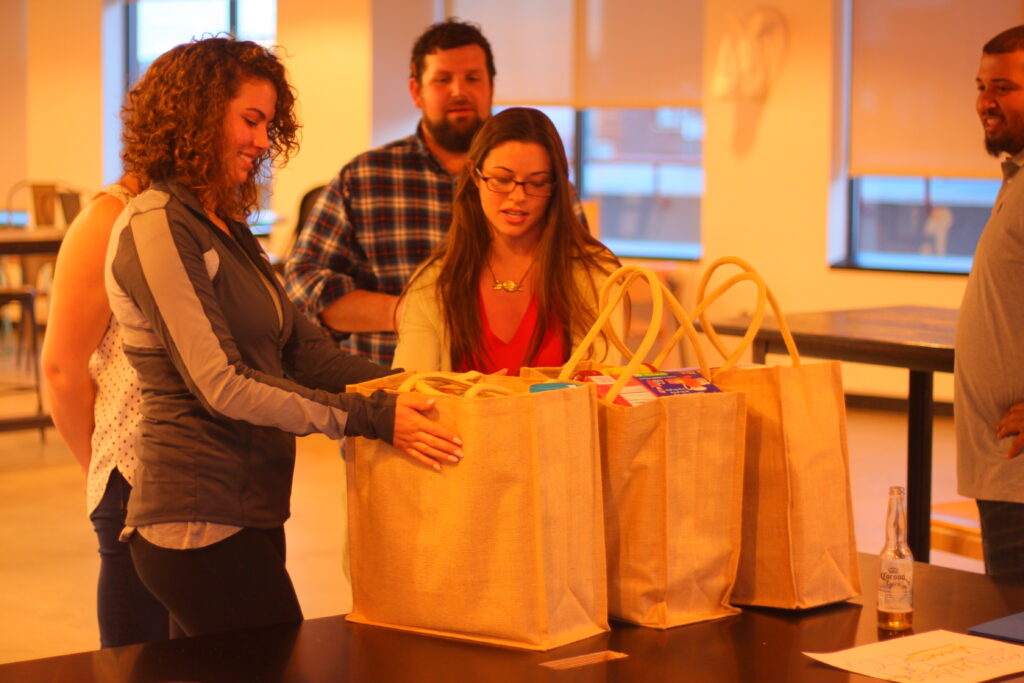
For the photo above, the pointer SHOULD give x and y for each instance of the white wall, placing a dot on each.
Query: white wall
(13, 105)
(64, 92)
(328, 55)
(396, 25)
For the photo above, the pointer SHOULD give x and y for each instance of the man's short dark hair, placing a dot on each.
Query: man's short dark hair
(447, 35)
(1010, 40)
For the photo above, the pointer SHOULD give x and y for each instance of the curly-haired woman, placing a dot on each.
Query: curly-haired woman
(229, 369)
(516, 281)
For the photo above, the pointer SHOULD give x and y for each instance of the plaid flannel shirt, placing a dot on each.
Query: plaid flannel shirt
(377, 220)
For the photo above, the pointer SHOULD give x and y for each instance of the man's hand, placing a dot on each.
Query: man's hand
(420, 437)
(1012, 424)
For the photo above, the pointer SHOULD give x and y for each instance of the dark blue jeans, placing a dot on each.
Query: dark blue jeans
(1002, 538)
(127, 612)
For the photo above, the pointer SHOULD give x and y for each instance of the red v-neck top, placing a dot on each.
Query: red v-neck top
(511, 355)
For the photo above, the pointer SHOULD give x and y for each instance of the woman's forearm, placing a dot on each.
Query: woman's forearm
(72, 396)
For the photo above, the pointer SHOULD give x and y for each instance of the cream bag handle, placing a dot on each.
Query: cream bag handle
(685, 324)
(700, 313)
(426, 383)
(609, 305)
(688, 330)
(612, 292)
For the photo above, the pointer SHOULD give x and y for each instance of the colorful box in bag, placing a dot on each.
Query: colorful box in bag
(649, 385)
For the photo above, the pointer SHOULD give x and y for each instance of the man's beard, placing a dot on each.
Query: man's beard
(451, 137)
(1004, 143)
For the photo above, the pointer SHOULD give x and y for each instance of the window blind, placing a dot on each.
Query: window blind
(593, 53)
(912, 91)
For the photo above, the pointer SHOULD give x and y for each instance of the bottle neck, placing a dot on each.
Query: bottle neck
(896, 522)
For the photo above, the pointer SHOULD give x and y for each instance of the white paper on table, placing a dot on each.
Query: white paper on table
(934, 656)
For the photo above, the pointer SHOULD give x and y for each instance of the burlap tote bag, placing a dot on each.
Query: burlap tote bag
(799, 548)
(673, 475)
(507, 546)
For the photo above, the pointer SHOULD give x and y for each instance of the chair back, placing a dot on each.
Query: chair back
(306, 206)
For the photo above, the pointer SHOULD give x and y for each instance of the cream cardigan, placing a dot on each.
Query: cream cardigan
(423, 345)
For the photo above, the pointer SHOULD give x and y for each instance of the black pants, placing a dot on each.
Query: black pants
(1002, 538)
(240, 582)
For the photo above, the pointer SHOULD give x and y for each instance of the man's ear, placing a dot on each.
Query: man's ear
(414, 92)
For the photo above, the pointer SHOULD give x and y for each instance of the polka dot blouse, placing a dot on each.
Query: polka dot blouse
(116, 411)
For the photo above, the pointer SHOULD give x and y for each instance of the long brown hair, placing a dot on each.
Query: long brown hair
(174, 120)
(564, 246)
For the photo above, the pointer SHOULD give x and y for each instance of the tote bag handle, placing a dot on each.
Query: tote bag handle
(612, 292)
(429, 383)
(700, 313)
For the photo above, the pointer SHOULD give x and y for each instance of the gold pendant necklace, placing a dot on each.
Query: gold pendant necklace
(509, 286)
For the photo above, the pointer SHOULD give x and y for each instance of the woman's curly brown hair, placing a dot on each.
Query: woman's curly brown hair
(174, 120)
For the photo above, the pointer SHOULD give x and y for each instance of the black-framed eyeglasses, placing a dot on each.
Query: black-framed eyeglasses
(542, 188)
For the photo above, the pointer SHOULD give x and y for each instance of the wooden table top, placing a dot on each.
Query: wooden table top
(759, 644)
(23, 241)
(914, 337)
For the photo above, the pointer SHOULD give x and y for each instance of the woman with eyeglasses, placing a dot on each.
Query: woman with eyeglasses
(516, 281)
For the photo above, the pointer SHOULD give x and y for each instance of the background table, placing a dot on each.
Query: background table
(19, 241)
(758, 645)
(919, 338)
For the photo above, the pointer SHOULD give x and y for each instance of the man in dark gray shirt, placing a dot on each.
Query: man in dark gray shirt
(989, 375)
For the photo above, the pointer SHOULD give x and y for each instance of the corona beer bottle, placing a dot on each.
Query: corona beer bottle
(896, 569)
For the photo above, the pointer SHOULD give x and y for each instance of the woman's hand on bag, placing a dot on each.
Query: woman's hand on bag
(420, 437)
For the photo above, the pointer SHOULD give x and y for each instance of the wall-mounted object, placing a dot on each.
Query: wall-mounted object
(750, 55)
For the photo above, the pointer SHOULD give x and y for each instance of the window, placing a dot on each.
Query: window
(643, 166)
(564, 119)
(919, 223)
(921, 185)
(155, 26)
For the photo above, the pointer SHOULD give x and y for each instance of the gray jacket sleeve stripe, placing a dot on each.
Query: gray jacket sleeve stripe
(187, 319)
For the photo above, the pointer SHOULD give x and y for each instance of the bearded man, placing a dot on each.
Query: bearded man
(388, 208)
(989, 395)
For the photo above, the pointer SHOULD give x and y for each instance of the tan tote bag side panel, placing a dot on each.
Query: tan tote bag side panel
(765, 571)
(412, 532)
(571, 499)
(673, 504)
(635, 490)
(705, 542)
(815, 411)
(799, 548)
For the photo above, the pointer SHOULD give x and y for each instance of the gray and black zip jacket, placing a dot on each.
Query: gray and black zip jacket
(226, 379)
